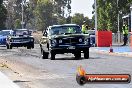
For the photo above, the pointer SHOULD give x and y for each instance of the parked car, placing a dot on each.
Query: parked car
(92, 37)
(20, 38)
(67, 38)
(3, 36)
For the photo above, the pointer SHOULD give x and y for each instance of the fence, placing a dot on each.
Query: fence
(115, 38)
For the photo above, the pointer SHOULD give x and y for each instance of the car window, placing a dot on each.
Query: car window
(65, 30)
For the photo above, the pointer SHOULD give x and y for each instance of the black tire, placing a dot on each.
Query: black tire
(7, 46)
(81, 80)
(28, 47)
(86, 54)
(48, 46)
(52, 55)
(44, 55)
(10, 47)
(77, 54)
(33, 45)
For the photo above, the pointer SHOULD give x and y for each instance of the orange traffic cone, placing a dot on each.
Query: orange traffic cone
(111, 49)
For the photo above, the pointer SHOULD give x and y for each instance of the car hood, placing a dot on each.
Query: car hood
(69, 35)
(1, 36)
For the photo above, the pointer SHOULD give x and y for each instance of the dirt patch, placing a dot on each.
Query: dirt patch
(18, 72)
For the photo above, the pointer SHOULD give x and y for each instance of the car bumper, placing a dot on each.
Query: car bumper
(20, 44)
(69, 49)
(2, 43)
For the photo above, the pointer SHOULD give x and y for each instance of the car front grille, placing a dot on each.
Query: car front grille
(70, 40)
(20, 40)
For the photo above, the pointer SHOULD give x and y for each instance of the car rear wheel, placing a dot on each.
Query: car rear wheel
(9, 46)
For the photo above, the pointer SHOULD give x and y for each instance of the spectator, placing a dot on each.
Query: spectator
(125, 33)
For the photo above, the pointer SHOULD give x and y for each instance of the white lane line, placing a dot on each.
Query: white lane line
(5, 82)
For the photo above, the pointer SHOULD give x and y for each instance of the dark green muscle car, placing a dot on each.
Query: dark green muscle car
(67, 38)
(20, 38)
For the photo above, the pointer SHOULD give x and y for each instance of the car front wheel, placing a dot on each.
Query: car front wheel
(52, 55)
(86, 54)
(32, 45)
(9, 46)
(77, 54)
(28, 47)
(45, 55)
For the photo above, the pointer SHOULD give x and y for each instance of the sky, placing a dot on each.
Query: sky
(82, 6)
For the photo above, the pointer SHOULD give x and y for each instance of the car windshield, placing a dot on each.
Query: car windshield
(21, 32)
(4, 33)
(65, 30)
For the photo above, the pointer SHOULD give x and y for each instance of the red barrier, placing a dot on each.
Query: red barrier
(104, 38)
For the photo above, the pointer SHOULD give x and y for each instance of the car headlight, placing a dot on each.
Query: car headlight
(31, 40)
(60, 41)
(86, 41)
(80, 40)
(54, 42)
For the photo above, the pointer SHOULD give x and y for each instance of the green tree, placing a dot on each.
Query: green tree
(108, 11)
(43, 14)
(62, 8)
(61, 5)
(38, 14)
(3, 15)
(79, 18)
(17, 24)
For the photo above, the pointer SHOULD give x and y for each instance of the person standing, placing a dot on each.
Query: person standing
(125, 33)
(84, 27)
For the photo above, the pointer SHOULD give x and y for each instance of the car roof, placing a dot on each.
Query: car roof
(21, 29)
(6, 30)
(64, 25)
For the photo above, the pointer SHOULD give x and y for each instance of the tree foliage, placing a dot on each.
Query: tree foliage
(3, 15)
(43, 13)
(38, 14)
(108, 11)
(17, 24)
(79, 18)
